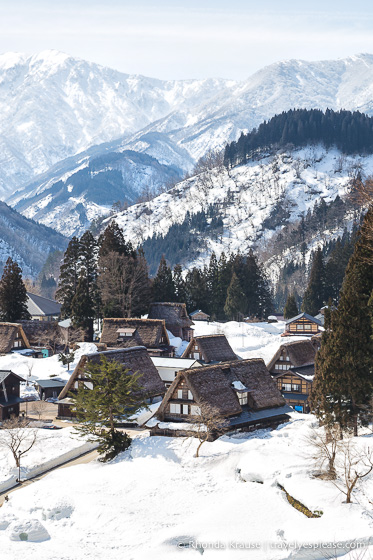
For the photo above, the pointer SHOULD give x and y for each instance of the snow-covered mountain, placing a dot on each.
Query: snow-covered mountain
(53, 106)
(253, 201)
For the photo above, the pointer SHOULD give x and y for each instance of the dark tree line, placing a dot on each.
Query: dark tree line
(228, 288)
(350, 132)
(102, 278)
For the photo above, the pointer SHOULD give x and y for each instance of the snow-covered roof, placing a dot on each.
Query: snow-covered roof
(181, 363)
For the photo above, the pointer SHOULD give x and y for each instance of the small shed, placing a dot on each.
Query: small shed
(199, 315)
(49, 388)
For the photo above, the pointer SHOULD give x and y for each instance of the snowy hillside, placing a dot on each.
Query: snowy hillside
(53, 106)
(253, 200)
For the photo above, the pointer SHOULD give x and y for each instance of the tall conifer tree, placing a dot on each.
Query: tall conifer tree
(163, 284)
(291, 308)
(314, 295)
(344, 364)
(235, 304)
(13, 296)
(69, 277)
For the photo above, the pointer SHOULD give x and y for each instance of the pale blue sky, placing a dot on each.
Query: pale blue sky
(188, 39)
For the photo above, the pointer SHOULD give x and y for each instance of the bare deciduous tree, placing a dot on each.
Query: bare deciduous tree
(352, 466)
(39, 407)
(18, 437)
(208, 422)
(325, 444)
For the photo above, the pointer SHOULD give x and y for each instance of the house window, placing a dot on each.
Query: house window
(195, 410)
(307, 327)
(190, 396)
(295, 387)
(179, 394)
(300, 327)
(185, 409)
(17, 344)
(196, 355)
(242, 398)
(175, 408)
(286, 387)
(281, 357)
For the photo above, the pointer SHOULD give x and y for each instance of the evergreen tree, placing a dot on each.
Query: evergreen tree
(196, 285)
(163, 284)
(85, 303)
(235, 304)
(112, 240)
(69, 277)
(213, 288)
(344, 364)
(290, 309)
(115, 393)
(179, 284)
(314, 295)
(13, 296)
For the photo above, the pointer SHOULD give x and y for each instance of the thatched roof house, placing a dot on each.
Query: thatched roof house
(176, 317)
(150, 333)
(12, 337)
(210, 348)
(242, 391)
(292, 354)
(136, 360)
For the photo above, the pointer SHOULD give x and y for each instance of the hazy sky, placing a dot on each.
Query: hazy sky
(188, 39)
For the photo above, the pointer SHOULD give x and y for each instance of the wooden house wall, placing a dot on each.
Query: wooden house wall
(9, 411)
(301, 386)
(303, 325)
(182, 397)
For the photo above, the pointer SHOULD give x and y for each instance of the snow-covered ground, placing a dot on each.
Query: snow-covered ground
(32, 369)
(49, 445)
(156, 498)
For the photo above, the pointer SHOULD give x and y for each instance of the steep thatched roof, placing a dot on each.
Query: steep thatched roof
(43, 333)
(214, 385)
(149, 332)
(8, 334)
(213, 347)
(175, 314)
(135, 359)
(300, 352)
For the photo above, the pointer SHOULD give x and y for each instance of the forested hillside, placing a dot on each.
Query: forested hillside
(351, 133)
